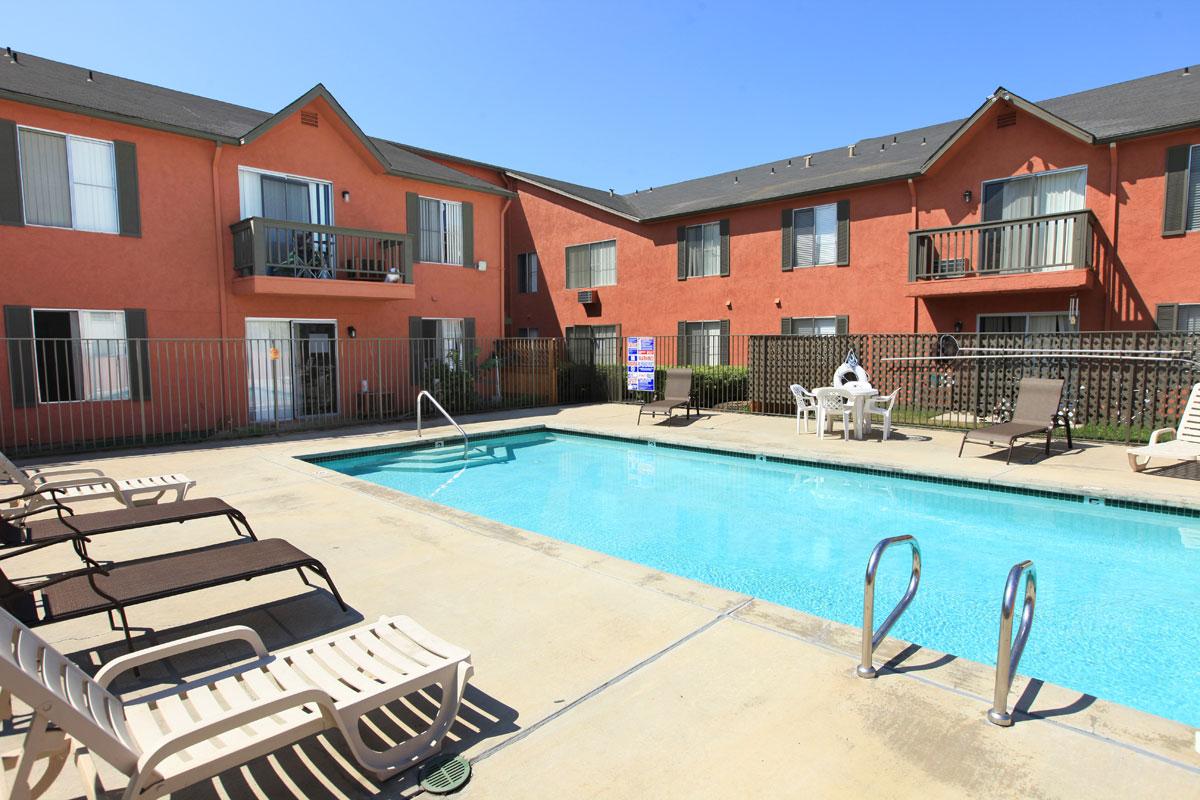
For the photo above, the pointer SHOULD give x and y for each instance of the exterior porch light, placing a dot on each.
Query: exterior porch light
(967, 196)
(345, 195)
(351, 331)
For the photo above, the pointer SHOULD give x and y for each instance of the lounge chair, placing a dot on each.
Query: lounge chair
(20, 534)
(1185, 446)
(82, 483)
(806, 405)
(114, 587)
(185, 734)
(676, 393)
(1036, 413)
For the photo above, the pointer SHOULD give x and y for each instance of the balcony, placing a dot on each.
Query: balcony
(1051, 252)
(277, 257)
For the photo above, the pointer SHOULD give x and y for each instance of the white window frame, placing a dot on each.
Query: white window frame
(37, 356)
(528, 333)
(71, 182)
(697, 272)
(1188, 209)
(531, 272)
(830, 318)
(443, 231)
(1027, 314)
(287, 176)
(836, 233)
(1037, 212)
(713, 355)
(592, 284)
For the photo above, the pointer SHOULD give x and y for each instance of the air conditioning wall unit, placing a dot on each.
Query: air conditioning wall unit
(588, 296)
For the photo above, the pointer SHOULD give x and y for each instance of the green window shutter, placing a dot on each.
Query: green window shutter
(11, 210)
(522, 278)
(843, 325)
(128, 204)
(786, 328)
(724, 247)
(468, 234)
(681, 253)
(681, 345)
(1175, 204)
(789, 241)
(22, 374)
(469, 345)
(843, 233)
(137, 336)
(412, 211)
(724, 344)
(414, 343)
(1166, 316)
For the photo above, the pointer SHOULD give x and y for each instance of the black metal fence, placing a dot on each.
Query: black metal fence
(73, 395)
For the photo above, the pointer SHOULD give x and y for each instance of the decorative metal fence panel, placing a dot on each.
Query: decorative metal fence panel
(75, 395)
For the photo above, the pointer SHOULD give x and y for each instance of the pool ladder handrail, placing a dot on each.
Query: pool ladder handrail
(450, 419)
(870, 637)
(1008, 653)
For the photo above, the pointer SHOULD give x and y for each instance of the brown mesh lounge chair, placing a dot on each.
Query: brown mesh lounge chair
(114, 587)
(676, 393)
(20, 534)
(1036, 413)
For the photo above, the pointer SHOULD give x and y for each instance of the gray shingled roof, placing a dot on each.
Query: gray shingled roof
(1132, 108)
(52, 83)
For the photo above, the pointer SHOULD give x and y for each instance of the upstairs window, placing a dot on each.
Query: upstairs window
(592, 265)
(441, 231)
(816, 232)
(527, 273)
(703, 250)
(1192, 221)
(68, 181)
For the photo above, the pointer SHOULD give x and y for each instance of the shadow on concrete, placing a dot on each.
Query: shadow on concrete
(1021, 709)
(898, 664)
(1182, 470)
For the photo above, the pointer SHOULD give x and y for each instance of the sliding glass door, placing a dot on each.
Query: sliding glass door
(1036, 245)
(291, 369)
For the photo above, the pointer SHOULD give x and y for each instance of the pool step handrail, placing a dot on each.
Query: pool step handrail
(1008, 653)
(450, 419)
(871, 637)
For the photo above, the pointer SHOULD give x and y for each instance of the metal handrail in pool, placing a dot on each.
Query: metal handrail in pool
(438, 406)
(1008, 654)
(871, 638)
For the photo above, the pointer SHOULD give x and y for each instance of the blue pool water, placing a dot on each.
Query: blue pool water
(1118, 611)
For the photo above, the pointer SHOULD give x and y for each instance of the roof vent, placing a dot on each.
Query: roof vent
(882, 146)
(610, 192)
(789, 162)
(922, 141)
(652, 188)
(772, 170)
(90, 78)
(11, 54)
(850, 151)
(807, 162)
(735, 178)
(1187, 71)
(1006, 120)
(895, 140)
(309, 118)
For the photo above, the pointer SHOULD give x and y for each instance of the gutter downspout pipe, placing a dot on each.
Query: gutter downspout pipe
(222, 277)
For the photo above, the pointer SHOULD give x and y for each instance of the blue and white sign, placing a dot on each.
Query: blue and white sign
(639, 363)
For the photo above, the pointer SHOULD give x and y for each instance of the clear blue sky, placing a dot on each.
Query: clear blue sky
(619, 94)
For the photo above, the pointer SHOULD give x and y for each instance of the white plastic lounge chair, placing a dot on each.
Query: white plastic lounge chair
(1185, 446)
(882, 407)
(806, 404)
(83, 483)
(177, 737)
(831, 402)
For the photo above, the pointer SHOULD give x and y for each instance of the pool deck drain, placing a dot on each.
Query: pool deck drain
(592, 673)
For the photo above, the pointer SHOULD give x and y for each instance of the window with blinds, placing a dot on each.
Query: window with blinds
(527, 273)
(703, 343)
(592, 265)
(1192, 221)
(441, 231)
(1187, 318)
(816, 231)
(814, 326)
(703, 249)
(68, 181)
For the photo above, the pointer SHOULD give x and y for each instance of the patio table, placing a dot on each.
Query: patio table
(861, 393)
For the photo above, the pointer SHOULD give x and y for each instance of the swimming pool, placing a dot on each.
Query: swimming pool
(1118, 613)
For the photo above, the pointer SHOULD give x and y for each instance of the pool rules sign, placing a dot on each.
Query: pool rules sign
(639, 363)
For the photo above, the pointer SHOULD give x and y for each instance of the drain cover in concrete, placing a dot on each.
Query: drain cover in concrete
(444, 774)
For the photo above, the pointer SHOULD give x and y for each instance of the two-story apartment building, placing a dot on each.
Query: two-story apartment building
(1076, 213)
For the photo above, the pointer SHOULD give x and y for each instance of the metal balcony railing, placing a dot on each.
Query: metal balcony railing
(303, 250)
(1014, 246)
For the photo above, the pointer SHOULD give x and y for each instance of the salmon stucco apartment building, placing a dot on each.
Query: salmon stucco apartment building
(131, 211)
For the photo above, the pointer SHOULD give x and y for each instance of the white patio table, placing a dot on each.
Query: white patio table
(861, 392)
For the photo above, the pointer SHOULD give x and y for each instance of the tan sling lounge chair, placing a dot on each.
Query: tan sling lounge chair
(177, 737)
(677, 393)
(1184, 445)
(1036, 413)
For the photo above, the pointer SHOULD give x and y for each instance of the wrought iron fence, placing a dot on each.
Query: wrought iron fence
(72, 395)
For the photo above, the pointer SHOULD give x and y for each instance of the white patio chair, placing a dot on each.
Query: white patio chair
(177, 737)
(831, 402)
(85, 483)
(882, 407)
(806, 404)
(1184, 444)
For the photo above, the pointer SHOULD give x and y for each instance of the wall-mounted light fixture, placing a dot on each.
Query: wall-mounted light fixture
(345, 195)
(352, 332)
(1073, 310)
(967, 196)
(958, 326)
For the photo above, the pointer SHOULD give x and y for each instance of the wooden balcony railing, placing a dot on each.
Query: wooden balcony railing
(1008, 247)
(303, 250)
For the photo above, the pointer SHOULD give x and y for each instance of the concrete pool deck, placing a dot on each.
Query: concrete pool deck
(596, 677)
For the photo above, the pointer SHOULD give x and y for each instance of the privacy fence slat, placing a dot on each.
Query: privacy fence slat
(97, 393)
